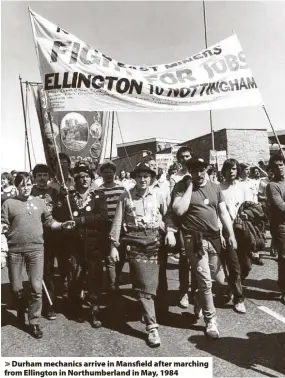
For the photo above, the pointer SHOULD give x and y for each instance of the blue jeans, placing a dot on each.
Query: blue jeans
(206, 268)
(34, 262)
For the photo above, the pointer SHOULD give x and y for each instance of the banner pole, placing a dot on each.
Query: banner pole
(210, 113)
(265, 111)
(25, 121)
(112, 135)
(59, 165)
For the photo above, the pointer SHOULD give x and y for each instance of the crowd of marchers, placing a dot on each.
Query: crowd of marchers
(92, 223)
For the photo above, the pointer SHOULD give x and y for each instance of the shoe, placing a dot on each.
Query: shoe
(283, 298)
(229, 297)
(153, 338)
(50, 314)
(79, 318)
(212, 329)
(197, 310)
(184, 301)
(175, 257)
(21, 317)
(240, 307)
(35, 331)
(95, 322)
(273, 252)
(257, 261)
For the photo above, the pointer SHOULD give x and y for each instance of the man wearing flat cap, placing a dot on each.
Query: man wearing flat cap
(140, 211)
(198, 201)
(89, 212)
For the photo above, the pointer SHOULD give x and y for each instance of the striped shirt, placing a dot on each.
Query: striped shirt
(112, 196)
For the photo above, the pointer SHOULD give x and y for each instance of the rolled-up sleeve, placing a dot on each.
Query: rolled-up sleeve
(118, 220)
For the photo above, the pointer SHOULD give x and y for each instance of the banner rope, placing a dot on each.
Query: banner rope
(123, 141)
(29, 121)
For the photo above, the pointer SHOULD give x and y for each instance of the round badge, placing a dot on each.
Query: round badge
(75, 213)
(206, 201)
(88, 208)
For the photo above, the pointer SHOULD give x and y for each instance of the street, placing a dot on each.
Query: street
(250, 345)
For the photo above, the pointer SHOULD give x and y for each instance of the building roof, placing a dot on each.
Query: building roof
(141, 141)
(217, 131)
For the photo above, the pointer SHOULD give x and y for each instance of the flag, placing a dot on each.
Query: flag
(79, 134)
(79, 77)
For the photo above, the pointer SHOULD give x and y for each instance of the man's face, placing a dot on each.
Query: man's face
(231, 173)
(183, 157)
(128, 175)
(278, 169)
(4, 182)
(153, 166)
(198, 175)
(83, 181)
(245, 172)
(41, 179)
(122, 174)
(64, 165)
(108, 175)
(173, 172)
(256, 173)
(25, 187)
(143, 180)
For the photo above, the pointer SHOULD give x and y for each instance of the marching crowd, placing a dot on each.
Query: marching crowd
(213, 222)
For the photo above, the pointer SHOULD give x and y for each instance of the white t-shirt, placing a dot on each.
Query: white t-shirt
(235, 195)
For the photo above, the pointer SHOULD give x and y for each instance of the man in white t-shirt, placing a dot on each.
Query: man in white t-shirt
(235, 193)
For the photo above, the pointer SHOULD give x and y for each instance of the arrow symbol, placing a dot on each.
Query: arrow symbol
(7, 363)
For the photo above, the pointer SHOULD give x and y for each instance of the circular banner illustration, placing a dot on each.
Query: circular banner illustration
(74, 131)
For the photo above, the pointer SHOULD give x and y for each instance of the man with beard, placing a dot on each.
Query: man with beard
(140, 211)
(85, 248)
(22, 219)
(275, 192)
(41, 189)
(198, 201)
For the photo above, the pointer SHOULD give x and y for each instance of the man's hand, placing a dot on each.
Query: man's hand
(68, 225)
(232, 241)
(170, 239)
(223, 241)
(114, 254)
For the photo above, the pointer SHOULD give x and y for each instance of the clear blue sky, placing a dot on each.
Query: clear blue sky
(145, 33)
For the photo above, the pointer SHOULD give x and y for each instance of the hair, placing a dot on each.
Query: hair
(228, 164)
(211, 170)
(242, 166)
(13, 172)
(183, 149)
(63, 156)
(107, 165)
(21, 176)
(252, 169)
(174, 166)
(7, 175)
(274, 158)
(40, 168)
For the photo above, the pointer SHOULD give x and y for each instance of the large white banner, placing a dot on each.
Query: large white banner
(78, 77)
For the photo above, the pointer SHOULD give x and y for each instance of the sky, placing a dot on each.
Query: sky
(144, 33)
